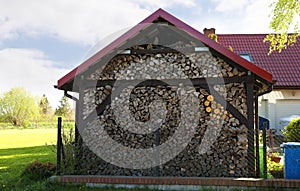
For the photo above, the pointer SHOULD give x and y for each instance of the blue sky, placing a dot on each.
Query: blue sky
(40, 41)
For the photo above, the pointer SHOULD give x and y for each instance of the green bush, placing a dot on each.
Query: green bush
(39, 171)
(274, 168)
(4, 125)
(292, 131)
(68, 125)
(70, 151)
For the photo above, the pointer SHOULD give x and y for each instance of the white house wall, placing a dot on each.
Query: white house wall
(278, 104)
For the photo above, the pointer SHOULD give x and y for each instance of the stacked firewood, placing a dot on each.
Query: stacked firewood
(218, 147)
(223, 134)
(93, 97)
(165, 66)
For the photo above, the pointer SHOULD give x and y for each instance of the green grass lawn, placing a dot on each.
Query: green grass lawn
(16, 138)
(21, 147)
(14, 160)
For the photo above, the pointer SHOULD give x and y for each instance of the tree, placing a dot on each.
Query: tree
(64, 109)
(17, 106)
(292, 131)
(285, 15)
(44, 107)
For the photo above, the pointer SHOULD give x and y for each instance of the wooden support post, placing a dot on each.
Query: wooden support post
(157, 143)
(79, 125)
(78, 140)
(265, 149)
(250, 117)
(76, 123)
(257, 138)
(58, 146)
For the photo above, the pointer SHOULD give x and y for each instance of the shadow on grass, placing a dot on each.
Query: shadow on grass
(14, 160)
(27, 150)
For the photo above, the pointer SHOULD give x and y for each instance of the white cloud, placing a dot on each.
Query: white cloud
(90, 21)
(77, 21)
(230, 5)
(253, 17)
(32, 70)
(166, 4)
(257, 17)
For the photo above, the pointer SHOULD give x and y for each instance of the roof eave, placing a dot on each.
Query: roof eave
(287, 87)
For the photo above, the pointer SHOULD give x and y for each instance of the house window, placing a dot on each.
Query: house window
(201, 49)
(246, 56)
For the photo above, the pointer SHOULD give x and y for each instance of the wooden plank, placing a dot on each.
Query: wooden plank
(157, 151)
(265, 150)
(162, 51)
(228, 106)
(250, 126)
(170, 82)
(79, 109)
(78, 140)
(257, 170)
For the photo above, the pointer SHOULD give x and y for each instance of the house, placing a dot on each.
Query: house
(284, 100)
(163, 99)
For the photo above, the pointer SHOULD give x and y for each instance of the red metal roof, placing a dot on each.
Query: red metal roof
(284, 66)
(177, 23)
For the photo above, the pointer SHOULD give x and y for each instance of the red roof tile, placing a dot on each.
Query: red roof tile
(284, 66)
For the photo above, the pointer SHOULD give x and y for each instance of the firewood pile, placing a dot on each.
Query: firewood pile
(224, 137)
(172, 65)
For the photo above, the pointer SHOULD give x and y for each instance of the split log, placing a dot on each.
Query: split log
(210, 98)
(208, 109)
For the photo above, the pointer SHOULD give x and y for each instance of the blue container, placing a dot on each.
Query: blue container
(291, 160)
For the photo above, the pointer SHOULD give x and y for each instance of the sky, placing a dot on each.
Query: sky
(41, 41)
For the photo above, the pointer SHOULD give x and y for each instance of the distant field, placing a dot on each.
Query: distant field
(16, 138)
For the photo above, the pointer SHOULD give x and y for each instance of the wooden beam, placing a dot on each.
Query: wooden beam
(168, 82)
(78, 140)
(80, 105)
(163, 51)
(250, 126)
(257, 139)
(220, 99)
